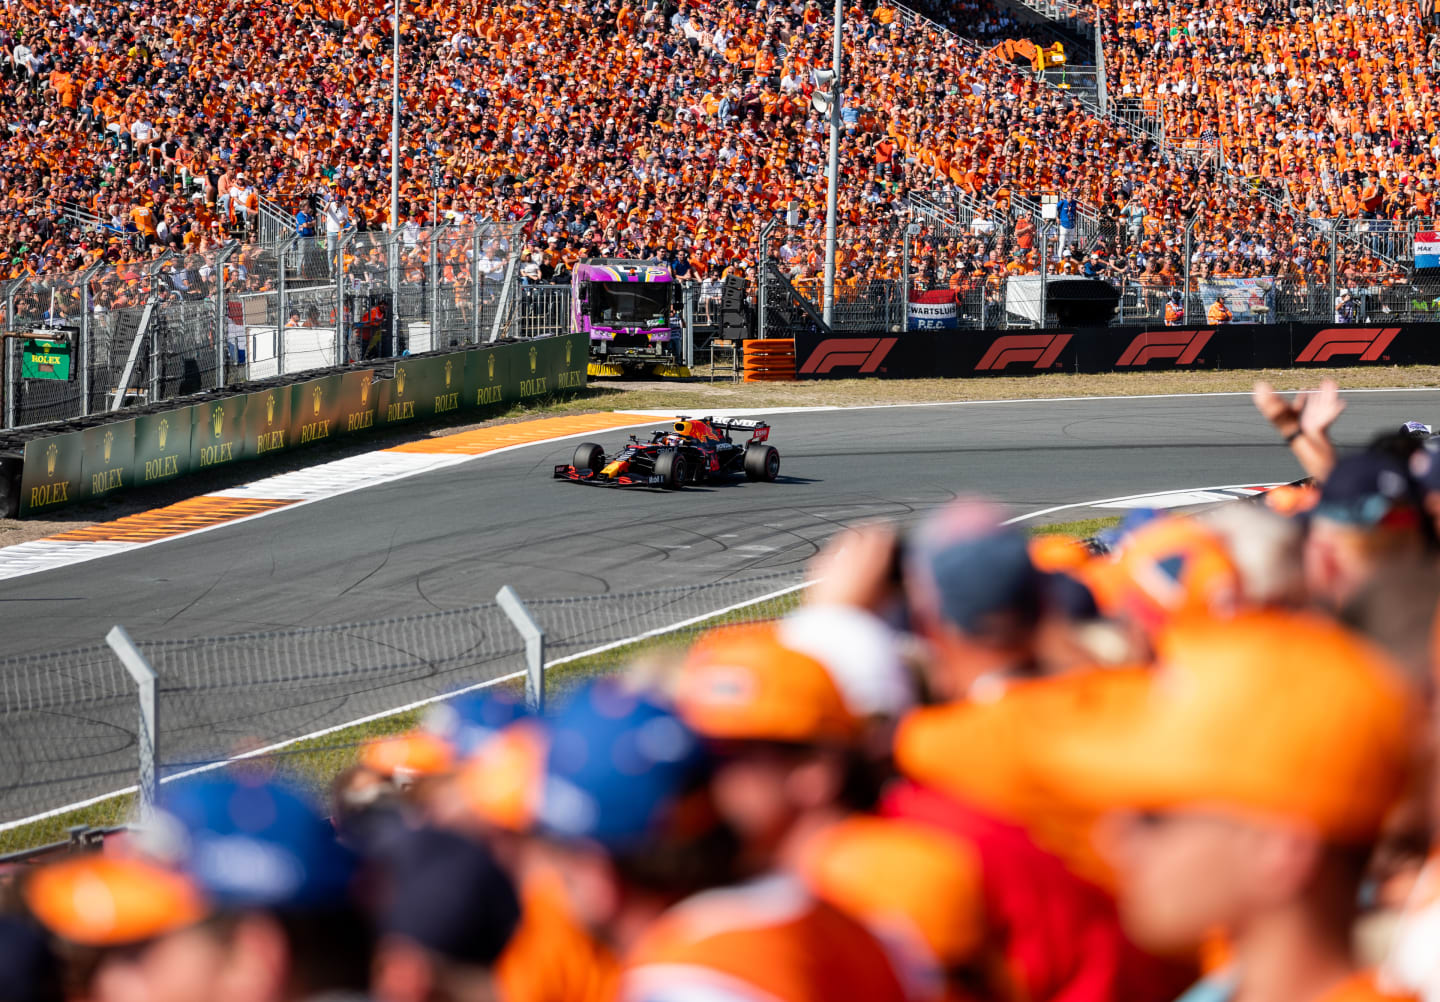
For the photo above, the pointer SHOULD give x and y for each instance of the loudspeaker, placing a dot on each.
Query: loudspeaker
(1082, 302)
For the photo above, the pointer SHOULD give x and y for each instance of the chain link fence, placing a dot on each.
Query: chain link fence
(186, 322)
(69, 720)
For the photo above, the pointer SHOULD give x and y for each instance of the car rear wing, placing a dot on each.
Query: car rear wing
(760, 431)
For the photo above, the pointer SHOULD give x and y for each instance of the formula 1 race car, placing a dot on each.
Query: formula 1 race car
(691, 451)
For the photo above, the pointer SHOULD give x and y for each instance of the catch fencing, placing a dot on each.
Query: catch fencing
(186, 322)
(69, 726)
(994, 266)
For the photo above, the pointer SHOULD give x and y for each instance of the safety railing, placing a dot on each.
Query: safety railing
(185, 322)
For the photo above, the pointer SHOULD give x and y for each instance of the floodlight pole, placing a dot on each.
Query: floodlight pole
(395, 123)
(832, 170)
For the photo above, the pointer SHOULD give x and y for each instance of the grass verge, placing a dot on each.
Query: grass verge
(314, 763)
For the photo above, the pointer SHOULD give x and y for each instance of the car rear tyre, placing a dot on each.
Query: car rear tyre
(589, 457)
(670, 464)
(762, 462)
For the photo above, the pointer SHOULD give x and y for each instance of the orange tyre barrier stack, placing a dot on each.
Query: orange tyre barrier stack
(770, 360)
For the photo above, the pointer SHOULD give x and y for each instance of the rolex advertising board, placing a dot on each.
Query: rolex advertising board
(359, 400)
(553, 365)
(267, 421)
(53, 470)
(423, 387)
(315, 410)
(162, 446)
(489, 378)
(109, 463)
(217, 433)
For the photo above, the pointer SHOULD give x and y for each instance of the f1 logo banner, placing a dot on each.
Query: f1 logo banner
(1039, 349)
(863, 354)
(1183, 347)
(1366, 344)
(967, 353)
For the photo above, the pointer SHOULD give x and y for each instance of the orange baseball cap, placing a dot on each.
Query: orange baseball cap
(502, 781)
(407, 756)
(1172, 567)
(1058, 554)
(1282, 714)
(903, 879)
(742, 683)
(96, 900)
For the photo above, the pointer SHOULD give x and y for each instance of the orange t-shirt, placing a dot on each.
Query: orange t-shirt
(551, 958)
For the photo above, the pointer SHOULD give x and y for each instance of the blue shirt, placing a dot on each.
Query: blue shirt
(1065, 212)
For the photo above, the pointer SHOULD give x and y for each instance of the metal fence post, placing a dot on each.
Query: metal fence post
(477, 241)
(1044, 275)
(86, 336)
(434, 270)
(12, 367)
(534, 646)
(222, 318)
(283, 302)
(148, 733)
(1331, 296)
(687, 329)
(762, 271)
(339, 263)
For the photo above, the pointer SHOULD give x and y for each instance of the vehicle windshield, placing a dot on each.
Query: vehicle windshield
(641, 304)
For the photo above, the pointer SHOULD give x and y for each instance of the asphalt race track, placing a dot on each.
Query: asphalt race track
(449, 539)
(452, 538)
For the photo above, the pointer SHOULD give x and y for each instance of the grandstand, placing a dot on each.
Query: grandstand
(1226, 151)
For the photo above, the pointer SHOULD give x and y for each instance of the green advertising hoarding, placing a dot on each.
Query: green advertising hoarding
(423, 387)
(42, 359)
(489, 381)
(267, 421)
(155, 448)
(52, 474)
(315, 409)
(217, 433)
(359, 400)
(162, 446)
(553, 365)
(109, 459)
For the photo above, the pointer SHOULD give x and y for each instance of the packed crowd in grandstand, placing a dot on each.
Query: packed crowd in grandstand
(691, 126)
(971, 765)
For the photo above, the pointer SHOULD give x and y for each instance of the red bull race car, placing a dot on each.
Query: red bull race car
(690, 451)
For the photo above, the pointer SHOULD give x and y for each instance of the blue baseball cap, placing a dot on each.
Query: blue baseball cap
(29, 971)
(448, 894)
(468, 722)
(622, 771)
(1369, 489)
(253, 845)
(968, 569)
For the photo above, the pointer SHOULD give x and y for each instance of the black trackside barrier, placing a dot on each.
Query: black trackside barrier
(952, 354)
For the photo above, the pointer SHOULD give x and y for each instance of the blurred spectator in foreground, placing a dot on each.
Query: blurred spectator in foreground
(255, 904)
(1369, 522)
(629, 816)
(29, 969)
(791, 773)
(1254, 777)
(447, 913)
(977, 600)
